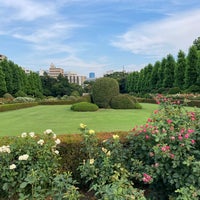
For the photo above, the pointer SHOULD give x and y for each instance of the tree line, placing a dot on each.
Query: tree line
(167, 75)
(15, 81)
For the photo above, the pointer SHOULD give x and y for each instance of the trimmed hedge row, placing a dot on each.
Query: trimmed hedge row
(16, 106)
(69, 101)
(124, 101)
(84, 107)
(191, 103)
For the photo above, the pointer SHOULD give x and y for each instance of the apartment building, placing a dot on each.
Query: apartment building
(55, 71)
(74, 78)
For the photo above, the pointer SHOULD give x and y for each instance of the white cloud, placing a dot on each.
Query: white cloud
(52, 31)
(161, 37)
(27, 10)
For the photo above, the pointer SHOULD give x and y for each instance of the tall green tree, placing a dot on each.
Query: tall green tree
(132, 82)
(147, 77)
(3, 88)
(191, 68)
(141, 81)
(121, 78)
(161, 71)
(169, 72)
(197, 43)
(7, 70)
(198, 69)
(155, 75)
(179, 72)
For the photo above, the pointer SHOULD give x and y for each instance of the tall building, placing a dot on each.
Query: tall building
(91, 75)
(55, 71)
(74, 78)
(2, 57)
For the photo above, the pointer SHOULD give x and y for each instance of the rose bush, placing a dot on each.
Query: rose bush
(29, 169)
(168, 147)
(104, 170)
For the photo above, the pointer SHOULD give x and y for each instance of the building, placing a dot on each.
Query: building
(91, 75)
(2, 57)
(74, 78)
(55, 71)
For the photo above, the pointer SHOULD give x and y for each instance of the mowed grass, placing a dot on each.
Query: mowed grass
(62, 120)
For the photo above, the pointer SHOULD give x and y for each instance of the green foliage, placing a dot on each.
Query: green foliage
(179, 72)
(16, 106)
(20, 93)
(124, 101)
(169, 72)
(8, 96)
(23, 100)
(104, 169)
(29, 168)
(75, 93)
(84, 107)
(191, 68)
(174, 90)
(168, 147)
(121, 79)
(103, 90)
(3, 88)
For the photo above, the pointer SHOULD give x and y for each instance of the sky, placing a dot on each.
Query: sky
(84, 36)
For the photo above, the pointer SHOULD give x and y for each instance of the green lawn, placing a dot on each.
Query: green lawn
(62, 120)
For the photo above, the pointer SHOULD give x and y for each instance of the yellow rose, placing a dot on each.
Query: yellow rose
(115, 137)
(91, 132)
(83, 126)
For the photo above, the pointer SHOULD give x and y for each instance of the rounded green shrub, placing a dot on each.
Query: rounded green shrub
(103, 90)
(84, 107)
(124, 101)
(174, 90)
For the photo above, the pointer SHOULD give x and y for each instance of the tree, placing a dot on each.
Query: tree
(121, 78)
(197, 43)
(191, 68)
(7, 70)
(103, 90)
(169, 72)
(147, 78)
(132, 82)
(3, 88)
(179, 72)
(161, 71)
(155, 75)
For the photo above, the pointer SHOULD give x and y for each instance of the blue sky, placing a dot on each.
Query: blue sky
(85, 36)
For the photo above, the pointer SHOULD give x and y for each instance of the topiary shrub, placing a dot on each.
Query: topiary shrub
(84, 107)
(174, 90)
(103, 90)
(124, 101)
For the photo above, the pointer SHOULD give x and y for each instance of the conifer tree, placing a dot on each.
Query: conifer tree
(191, 68)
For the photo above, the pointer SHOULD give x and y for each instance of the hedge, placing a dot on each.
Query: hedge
(16, 106)
(84, 107)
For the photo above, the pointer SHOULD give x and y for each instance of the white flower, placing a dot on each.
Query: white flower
(23, 135)
(5, 149)
(13, 166)
(91, 161)
(56, 152)
(57, 141)
(106, 151)
(23, 157)
(48, 132)
(54, 136)
(32, 134)
(41, 142)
